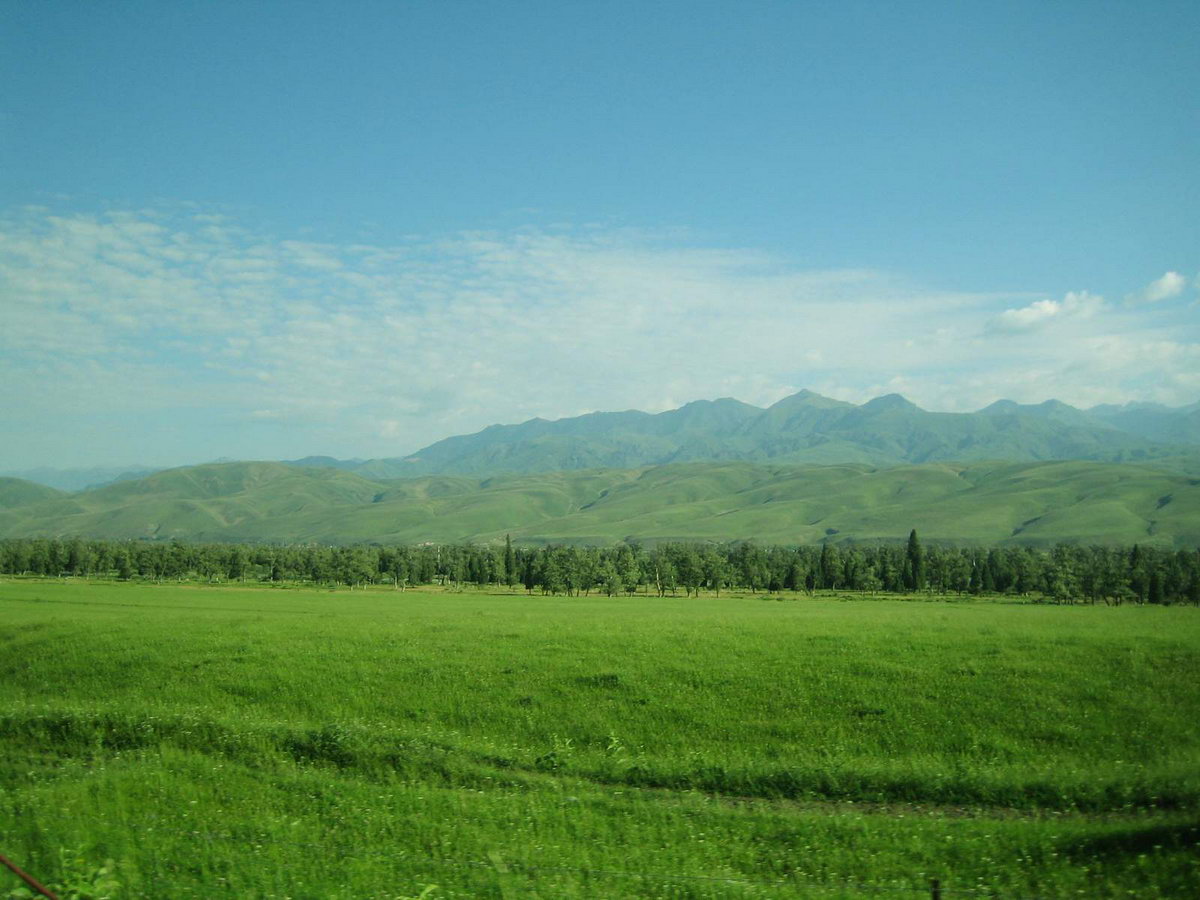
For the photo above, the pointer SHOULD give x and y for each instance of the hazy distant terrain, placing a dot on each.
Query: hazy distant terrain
(79, 479)
(997, 503)
(802, 428)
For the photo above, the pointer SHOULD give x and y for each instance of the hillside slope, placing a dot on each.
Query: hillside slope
(19, 492)
(194, 502)
(996, 503)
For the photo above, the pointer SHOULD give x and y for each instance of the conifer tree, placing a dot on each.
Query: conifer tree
(915, 557)
(510, 562)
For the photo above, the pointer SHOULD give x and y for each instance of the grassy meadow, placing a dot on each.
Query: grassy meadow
(200, 741)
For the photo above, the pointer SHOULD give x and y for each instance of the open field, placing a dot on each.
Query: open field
(282, 742)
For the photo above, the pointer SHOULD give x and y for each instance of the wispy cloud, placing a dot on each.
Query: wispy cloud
(187, 320)
(1043, 313)
(1172, 284)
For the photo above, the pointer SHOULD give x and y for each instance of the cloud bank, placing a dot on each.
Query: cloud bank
(173, 336)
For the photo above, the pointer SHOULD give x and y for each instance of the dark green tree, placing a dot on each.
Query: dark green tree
(914, 558)
(235, 564)
(122, 564)
(510, 563)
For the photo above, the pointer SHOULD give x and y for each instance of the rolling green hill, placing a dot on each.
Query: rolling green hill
(193, 502)
(995, 503)
(17, 492)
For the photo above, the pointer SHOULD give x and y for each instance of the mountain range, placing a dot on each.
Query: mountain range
(807, 468)
(809, 428)
(803, 428)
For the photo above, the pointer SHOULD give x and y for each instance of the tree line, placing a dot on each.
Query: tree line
(1064, 573)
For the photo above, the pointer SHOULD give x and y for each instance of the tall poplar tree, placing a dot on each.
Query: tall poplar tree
(915, 557)
(510, 563)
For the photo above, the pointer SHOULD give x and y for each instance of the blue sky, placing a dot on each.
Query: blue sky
(273, 229)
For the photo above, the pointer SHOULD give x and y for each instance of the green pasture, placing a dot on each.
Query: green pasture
(196, 741)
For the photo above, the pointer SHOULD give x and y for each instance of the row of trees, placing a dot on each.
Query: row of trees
(1065, 573)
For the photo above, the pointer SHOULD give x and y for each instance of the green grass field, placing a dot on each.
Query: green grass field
(187, 741)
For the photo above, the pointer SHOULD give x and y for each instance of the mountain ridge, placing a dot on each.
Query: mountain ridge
(802, 428)
(806, 428)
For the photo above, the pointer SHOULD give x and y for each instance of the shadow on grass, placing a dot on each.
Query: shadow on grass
(1137, 841)
(392, 753)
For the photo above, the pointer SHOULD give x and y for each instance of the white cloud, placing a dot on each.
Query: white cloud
(1041, 313)
(1026, 318)
(1172, 284)
(361, 350)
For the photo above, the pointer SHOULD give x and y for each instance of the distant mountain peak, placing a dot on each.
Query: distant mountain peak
(720, 401)
(889, 402)
(1052, 409)
(809, 398)
(1053, 405)
(1001, 407)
